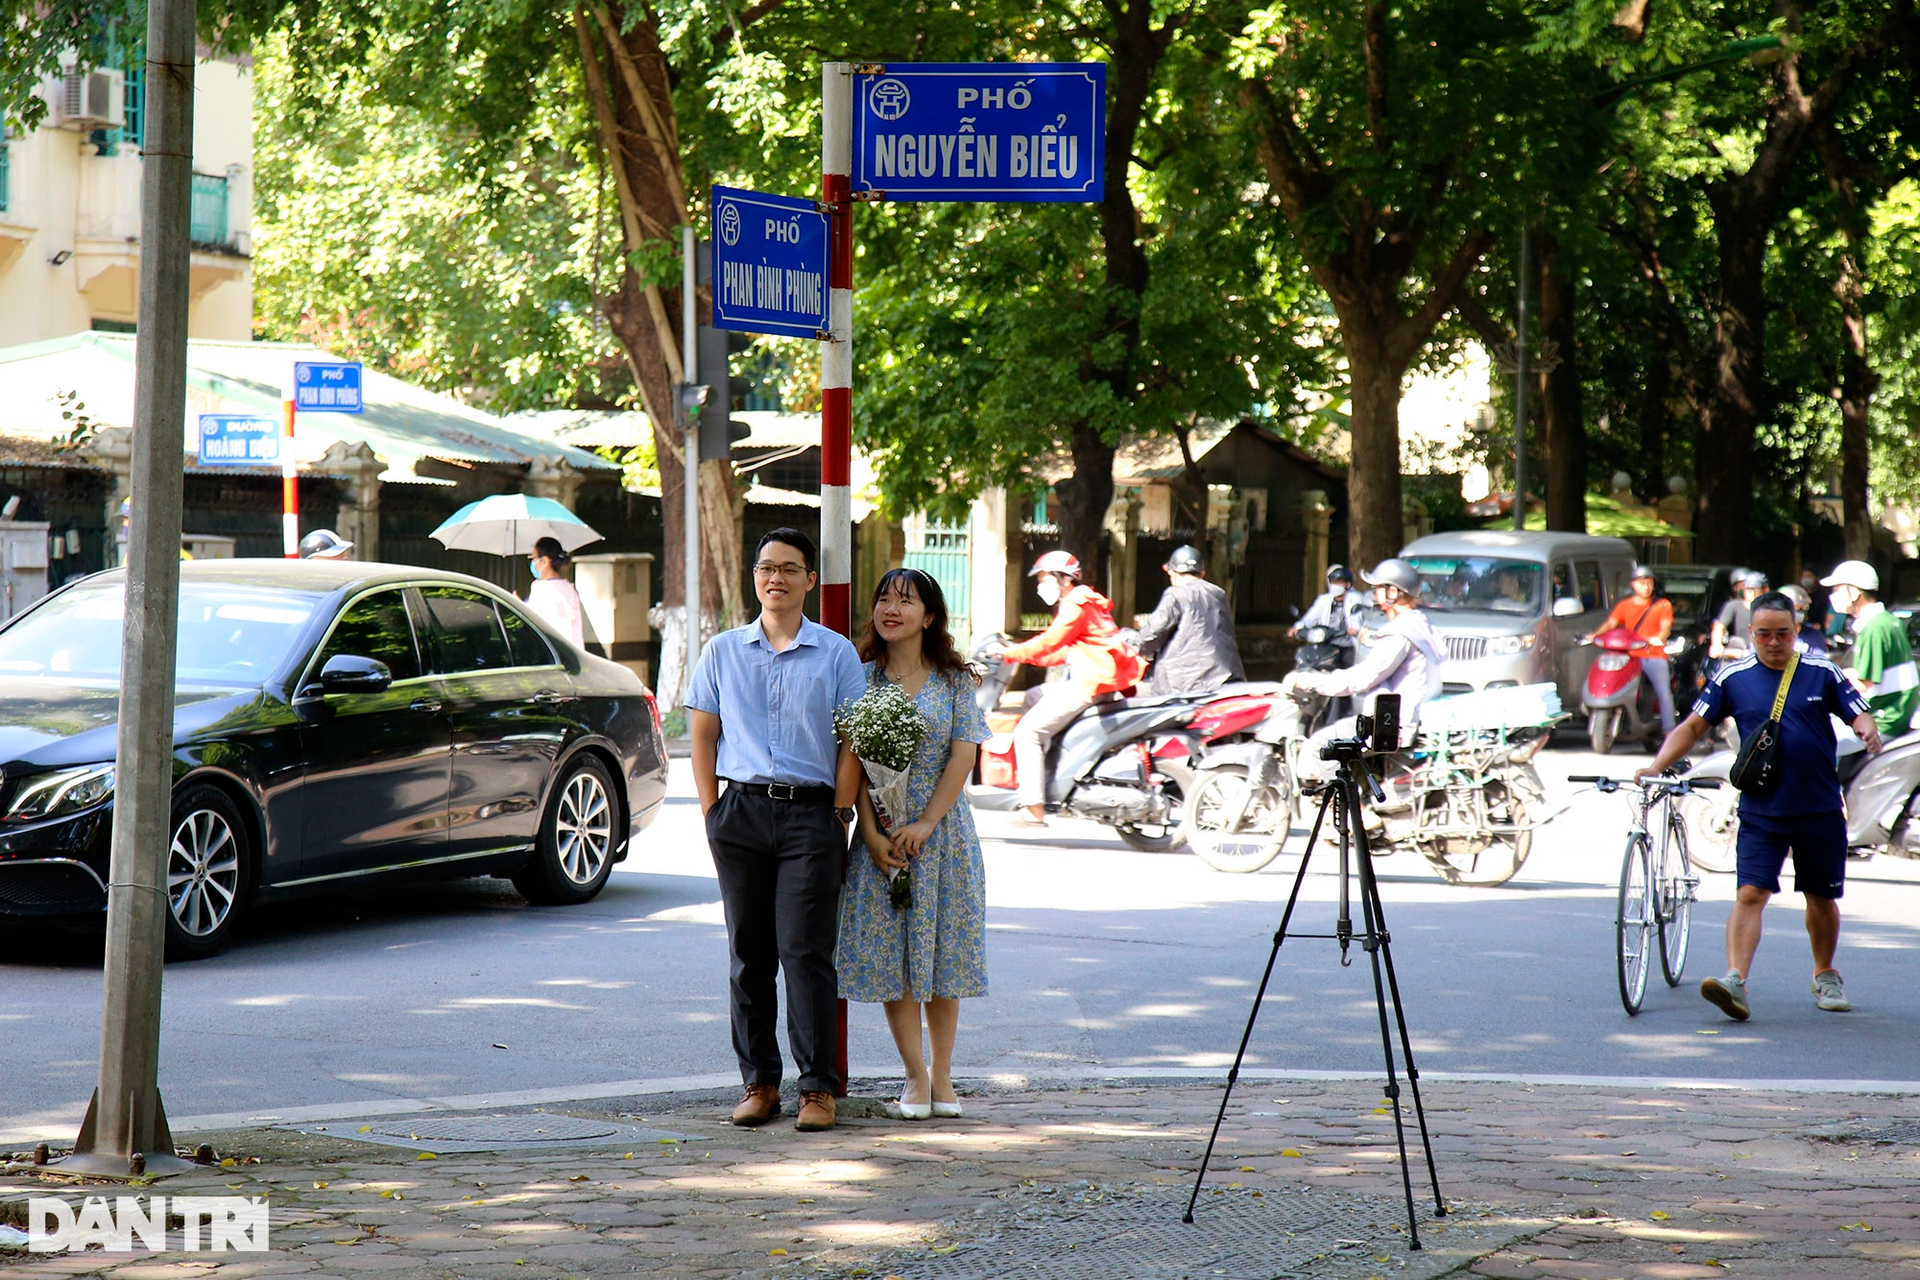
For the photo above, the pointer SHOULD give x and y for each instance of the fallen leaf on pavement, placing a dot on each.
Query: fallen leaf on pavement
(1659, 1215)
(1290, 1153)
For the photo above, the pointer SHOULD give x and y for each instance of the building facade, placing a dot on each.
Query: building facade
(70, 206)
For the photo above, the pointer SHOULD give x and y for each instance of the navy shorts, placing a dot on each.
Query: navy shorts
(1818, 842)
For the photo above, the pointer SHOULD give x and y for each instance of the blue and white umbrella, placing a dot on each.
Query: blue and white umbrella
(508, 524)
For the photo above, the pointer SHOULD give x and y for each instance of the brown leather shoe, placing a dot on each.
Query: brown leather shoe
(761, 1104)
(816, 1111)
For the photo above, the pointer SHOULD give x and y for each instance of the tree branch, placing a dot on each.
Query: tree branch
(1377, 47)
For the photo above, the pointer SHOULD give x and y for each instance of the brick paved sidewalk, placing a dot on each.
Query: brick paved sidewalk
(1545, 1181)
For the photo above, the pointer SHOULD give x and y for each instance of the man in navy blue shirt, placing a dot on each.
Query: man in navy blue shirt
(761, 709)
(1801, 815)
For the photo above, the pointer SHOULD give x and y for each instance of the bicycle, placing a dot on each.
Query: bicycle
(1657, 883)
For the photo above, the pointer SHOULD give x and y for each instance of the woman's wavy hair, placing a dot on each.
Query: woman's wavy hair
(936, 642)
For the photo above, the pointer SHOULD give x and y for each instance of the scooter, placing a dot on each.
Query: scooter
(1618, 694)
(1125, 762)
(1881, 794)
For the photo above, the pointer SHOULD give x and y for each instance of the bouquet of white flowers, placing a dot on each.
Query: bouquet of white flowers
(883, 728)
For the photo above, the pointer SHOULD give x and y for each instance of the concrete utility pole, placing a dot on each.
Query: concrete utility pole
(126, 1129)
(689, 360)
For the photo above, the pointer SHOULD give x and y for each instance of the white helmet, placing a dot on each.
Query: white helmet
(1394, 573)
(1853, 573)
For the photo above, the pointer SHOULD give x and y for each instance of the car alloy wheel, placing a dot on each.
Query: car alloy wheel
(583, 828)
(203, 872)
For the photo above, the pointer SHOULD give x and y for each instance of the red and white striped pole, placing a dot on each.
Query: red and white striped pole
(836, 354)
(289, 482)
(836, 381)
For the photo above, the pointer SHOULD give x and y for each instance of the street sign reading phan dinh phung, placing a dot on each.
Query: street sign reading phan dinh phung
(988, 131)
(769, 264)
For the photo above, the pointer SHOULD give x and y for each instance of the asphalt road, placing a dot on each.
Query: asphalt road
(1100, 959)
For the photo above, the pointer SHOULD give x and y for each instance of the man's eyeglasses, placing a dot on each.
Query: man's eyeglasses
(767, 569)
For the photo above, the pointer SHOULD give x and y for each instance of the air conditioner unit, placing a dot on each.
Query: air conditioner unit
(94, 99)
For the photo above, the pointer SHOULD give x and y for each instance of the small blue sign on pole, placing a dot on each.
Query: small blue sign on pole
(987, 131)
(238, 440)
(326, 387)
(769, 264)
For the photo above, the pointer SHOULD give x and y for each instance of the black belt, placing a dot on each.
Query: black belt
(784, 791)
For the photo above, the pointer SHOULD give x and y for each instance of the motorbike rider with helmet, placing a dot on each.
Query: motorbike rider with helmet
(324, 544)
(1339, 608)
(1649, 615)
(1405, 659)
(1189, 636)
(1084, 639)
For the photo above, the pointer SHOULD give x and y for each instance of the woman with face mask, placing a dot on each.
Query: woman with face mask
(551, 595)
(1084, 639)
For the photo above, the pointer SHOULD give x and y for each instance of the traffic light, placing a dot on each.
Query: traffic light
(718, 428)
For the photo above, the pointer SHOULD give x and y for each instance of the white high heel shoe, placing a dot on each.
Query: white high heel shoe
(947, 1110)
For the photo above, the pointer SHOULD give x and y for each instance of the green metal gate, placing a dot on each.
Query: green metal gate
(944, 554)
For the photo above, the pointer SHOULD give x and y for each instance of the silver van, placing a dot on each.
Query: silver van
(1510, 605)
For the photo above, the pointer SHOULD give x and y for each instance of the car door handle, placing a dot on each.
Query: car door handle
(548, 698)
(428, 705)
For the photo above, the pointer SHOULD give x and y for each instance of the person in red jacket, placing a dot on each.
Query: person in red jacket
(1084, 639)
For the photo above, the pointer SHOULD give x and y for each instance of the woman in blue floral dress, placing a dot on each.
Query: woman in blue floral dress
(929, 951)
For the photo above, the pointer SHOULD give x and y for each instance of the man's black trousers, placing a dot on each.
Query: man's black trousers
(780, 864)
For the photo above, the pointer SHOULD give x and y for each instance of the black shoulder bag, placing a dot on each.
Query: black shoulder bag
(1756, 769)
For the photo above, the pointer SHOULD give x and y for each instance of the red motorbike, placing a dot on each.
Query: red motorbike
(1619, 697)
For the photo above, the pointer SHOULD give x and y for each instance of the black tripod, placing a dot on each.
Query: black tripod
(1342, 797)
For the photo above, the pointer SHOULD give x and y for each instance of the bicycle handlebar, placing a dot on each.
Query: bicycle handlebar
(1662, 783)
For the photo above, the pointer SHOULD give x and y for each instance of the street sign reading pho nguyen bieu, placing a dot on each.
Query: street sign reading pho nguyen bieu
(769, 264)
(1019, 131)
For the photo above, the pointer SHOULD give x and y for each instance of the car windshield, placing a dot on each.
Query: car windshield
(229, 634)
(1689, 596)
(1478, 584)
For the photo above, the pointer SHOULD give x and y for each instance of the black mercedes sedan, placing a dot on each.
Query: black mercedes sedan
(337, 724)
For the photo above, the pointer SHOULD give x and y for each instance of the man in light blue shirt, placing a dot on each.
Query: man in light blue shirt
(761, 707)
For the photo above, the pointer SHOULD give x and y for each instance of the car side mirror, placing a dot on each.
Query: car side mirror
(1568, 607)
(349, 673)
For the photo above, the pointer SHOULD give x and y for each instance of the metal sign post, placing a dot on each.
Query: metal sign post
(690, 457)
(318, 386)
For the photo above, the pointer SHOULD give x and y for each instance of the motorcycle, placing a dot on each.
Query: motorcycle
(1619, 695)
(1125, 762)
(1462, 797)
(1321, 649)
(1881, 795)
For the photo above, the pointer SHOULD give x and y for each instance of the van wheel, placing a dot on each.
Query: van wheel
(574, 854)
(207, 873)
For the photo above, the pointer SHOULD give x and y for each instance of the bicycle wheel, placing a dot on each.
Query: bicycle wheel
(1676, 883)
(1633, 926)
(1212, 833)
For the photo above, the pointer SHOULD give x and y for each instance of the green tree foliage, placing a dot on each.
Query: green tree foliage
(379, 240)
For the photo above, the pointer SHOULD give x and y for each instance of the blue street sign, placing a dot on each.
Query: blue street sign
(238, 440)
(326, 387)
(1023, 131)
(769, 265)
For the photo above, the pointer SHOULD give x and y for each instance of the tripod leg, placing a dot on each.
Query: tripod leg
(1375, 941)
(1279, 936)
(1370, 890)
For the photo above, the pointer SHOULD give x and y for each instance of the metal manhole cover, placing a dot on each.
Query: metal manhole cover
(1236, 1235)
(465, 1133)
(533, 1128)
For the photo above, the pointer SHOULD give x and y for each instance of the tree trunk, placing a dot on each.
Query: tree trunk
(625, 80)
(1564, 432)
(1655, 423)
(1085, 495)
(1724, 459)
(1375, 520)
(1084, 498)
(1857, 384)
